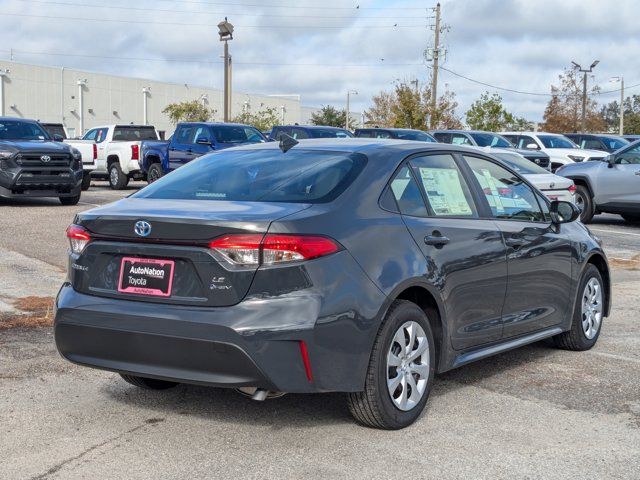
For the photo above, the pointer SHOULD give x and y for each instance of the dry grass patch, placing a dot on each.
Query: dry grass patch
(36, 312)
(632, 263)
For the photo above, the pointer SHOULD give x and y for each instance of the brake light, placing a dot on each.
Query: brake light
(135, 152)
(95, 151)
(572, 188)
(257, 249)
(78, 237)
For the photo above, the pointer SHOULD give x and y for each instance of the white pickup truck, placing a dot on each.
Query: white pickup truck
(115, 151)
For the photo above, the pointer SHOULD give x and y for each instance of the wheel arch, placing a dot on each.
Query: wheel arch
(111, 159)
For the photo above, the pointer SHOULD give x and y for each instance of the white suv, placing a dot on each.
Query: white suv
(560, 149)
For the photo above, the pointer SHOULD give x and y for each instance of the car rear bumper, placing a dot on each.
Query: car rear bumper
(254, 343)
(561, 195)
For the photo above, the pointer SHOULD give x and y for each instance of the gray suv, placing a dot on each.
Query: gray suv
(609, 186)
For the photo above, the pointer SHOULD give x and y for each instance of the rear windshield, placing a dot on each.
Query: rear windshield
(54, 129)
(298, 176)
(519, 163)
(17, 130)
(414, 135)
(134, 134)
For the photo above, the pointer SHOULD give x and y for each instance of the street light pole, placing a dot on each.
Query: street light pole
(347, 115)
(225, 31)
(3, 73)
(621, 114)
(81, 85)
(145, 117)
(584, 90)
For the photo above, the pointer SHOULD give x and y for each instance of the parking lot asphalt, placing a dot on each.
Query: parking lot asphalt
(536, 412)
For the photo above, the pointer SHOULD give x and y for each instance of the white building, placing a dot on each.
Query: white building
(81, 100)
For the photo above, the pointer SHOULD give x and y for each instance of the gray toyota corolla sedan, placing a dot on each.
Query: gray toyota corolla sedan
(358, 266)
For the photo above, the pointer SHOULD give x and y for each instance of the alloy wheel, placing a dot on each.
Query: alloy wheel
(408, 366)
(113, 176)
(591, 308)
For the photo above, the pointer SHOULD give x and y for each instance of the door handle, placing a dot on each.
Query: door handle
(172, 149)
(515, 242)
(637, 172)
(436, 239)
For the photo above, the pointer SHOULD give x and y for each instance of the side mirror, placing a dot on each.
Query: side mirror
(58, 138)
(611, 160)
(203, 141)
(531, 146)
(563, 212)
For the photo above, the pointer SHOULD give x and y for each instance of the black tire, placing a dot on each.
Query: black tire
(117, 179)
(631, 218)
(585, 203)
(154, 173)
(576, 339)
(148, 383)
(67, 201)
(86, 181)
(374, 406)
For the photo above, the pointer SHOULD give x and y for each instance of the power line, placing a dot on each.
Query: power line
(208, 25)
(230, 14)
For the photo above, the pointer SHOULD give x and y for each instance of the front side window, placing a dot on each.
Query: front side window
(525, 141)
(184, 133)
(407, 194)
(629, 157)
(614, 143)
(508, 196)
(442, 137)
(447, 192)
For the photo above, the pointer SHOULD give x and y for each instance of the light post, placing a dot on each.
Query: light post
(283, 110)
(621, 80)
(145, 94)
(584, 90)
(225, 31)
(346, 122)
(3, 73)
(81, 85)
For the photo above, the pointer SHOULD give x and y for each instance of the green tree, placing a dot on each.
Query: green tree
(611, 115)
(330, 116)
(263, 119)
(192, 111)
(564, 111)
(488, 113)
(408, 109)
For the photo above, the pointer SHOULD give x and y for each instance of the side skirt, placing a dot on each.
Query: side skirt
(485, 352)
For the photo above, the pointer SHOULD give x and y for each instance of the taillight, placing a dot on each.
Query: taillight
(78, 237)
(95, 151)
(135, 152)
(257, 249)
(572, 188)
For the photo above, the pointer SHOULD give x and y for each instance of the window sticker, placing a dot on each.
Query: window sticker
(444, 190)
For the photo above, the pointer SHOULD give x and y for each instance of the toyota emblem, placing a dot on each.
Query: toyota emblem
(142, 228)
(45, 158)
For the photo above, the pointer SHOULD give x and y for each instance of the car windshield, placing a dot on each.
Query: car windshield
(237, 134)
(556, 141)
(614, 143)
(330, 133)
(134, 134)
(414, 135)
(265, 175)
(519, 163)
(17, 130)
(490, 140)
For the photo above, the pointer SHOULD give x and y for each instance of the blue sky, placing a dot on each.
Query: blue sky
(322, 49)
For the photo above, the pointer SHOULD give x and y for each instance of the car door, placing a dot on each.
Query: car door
(618, 184)
(538, 253)
(179, 146)
(465, 253)
(101, 148)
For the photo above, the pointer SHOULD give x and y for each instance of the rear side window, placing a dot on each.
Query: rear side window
(299, 176)
(407, 194)
(447, 192)
(134, 134)
(508, 196)
(231, 134)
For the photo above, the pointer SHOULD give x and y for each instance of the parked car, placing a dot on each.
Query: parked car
(115, 150)
(631, 138)
(350, 266)
(192, 140)
(55, 130)
(553, 186)
(560, 149)
(301, 132)
(33, 164)
(605, 143)
(395, 133)
(610, 186)
(495, 142)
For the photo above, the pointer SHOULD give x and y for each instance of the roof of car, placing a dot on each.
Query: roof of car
(4, 119)
(532, 133)
(393, 129)
(217, 124)
(311, 127)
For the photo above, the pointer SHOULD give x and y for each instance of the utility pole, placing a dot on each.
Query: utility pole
(346, 122)
(81, 85)
(621, 114)
(145, 97)
(225, 31)
(3, 73)
(584, 91)
(436, 58)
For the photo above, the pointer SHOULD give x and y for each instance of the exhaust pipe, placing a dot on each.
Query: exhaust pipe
(258, 394)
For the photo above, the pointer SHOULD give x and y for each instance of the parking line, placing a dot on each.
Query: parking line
(614, 231)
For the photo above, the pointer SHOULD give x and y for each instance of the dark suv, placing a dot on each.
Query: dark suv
(33, 164)
(355, 266)
(395, 133)
(606, 143)
(302, 132)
